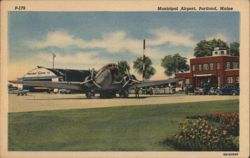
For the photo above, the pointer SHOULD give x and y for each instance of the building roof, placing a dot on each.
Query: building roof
(221, 56)
(43, 73)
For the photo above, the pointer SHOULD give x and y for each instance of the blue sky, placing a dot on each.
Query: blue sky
(84, 40)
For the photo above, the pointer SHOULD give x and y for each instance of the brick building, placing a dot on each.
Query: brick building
(219, 69)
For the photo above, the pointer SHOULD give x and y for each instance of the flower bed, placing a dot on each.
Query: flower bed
(229, 122)
(203, 135)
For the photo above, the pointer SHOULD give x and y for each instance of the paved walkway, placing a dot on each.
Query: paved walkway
(40, 101)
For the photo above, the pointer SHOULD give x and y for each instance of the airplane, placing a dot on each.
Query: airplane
(101, 81)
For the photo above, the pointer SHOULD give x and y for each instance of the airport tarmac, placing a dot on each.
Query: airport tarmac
(43, 101)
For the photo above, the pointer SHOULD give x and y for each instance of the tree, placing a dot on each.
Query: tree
(174, 63)
(234, 49)
(123, 67)
(205, 48)
(149, 70)
(202, 49)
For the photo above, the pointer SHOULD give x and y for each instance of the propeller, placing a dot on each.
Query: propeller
(91, 79)
(129, 79)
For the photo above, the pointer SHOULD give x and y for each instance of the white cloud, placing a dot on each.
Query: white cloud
(223, 37)
(167, 36)
(58, 38)
(115, 42)
(80, 60)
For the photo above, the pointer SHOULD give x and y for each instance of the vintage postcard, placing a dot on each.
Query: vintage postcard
(124, 78)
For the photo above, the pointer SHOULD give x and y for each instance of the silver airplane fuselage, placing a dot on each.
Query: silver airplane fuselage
(105, 76)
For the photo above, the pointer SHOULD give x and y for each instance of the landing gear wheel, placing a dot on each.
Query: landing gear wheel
(89, 95)
(124, 94)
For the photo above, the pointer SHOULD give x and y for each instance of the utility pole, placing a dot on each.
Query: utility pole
(143, 59)
(53, 56)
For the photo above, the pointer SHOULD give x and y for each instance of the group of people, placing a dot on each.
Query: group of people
(137, 91)
(205, 86)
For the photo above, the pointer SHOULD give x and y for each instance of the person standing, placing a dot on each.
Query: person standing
(136, 92)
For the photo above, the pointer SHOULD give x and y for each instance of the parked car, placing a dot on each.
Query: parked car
(202, 91)
(19, 92)
(228, 90)
(64, 91)
(213, 91)
(198, 91)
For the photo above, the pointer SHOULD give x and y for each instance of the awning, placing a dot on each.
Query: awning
(203, 75)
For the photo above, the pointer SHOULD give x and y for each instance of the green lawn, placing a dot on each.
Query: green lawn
(133, 128)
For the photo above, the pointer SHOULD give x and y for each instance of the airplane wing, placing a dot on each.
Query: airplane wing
(143, 84)
(61, 85)
(82, 87)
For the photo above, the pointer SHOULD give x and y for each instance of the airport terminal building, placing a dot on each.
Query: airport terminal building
(52, 74)
(219, 69)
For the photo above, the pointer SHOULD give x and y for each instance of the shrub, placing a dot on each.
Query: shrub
(200, 135)
(229, 122)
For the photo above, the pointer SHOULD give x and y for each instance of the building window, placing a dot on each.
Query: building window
(193, 67)
(215, 53)
(235, 65)
(227, 65)
(222, 52)
(229, 79)
(205, 67)
(237, 79)
(218, 66)
(211, 66)
(200, 67)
